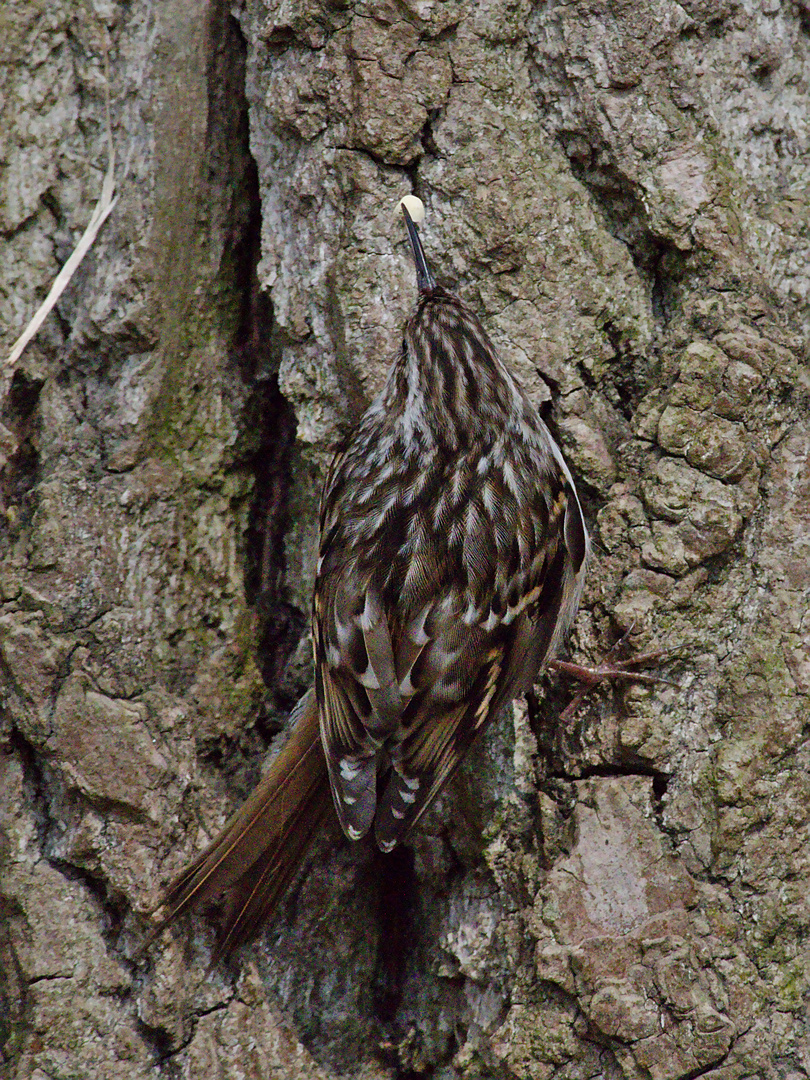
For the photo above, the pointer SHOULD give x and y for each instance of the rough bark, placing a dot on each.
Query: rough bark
(620, 190)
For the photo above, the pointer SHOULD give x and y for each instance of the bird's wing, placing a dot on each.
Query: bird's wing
(358, 693)
(418, 647)
(480, 647)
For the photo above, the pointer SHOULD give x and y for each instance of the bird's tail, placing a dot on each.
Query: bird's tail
(256, 855)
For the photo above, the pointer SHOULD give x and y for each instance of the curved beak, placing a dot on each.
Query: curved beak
(424, 278)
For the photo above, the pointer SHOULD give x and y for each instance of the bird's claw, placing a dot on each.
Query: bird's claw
(612, 669)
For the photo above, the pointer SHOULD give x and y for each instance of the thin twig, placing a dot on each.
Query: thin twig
(104, 207)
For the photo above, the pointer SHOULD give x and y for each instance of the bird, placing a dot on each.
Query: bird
(453, 551)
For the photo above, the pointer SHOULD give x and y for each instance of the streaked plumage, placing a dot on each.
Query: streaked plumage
(452, 557)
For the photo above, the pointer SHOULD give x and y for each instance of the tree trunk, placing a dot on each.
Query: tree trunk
(620, 191)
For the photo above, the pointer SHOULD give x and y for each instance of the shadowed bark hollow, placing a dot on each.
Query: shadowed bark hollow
(620, 191)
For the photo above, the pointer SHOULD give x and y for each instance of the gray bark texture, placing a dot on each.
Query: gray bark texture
(620, 190)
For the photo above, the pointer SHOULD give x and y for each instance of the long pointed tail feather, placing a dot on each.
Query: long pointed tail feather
(258, 852)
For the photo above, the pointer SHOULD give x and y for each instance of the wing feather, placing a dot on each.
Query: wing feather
(419, 646)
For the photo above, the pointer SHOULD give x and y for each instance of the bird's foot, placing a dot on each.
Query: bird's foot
(610, 669)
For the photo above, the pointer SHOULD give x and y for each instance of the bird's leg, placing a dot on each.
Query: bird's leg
(611, 669)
